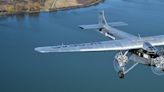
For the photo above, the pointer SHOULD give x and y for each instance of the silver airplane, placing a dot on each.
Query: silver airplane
(145, 50)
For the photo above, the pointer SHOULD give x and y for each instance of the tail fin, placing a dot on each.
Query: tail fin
(101, 19)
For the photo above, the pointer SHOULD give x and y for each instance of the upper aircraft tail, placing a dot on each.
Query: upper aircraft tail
(103, 26)
(102, 23)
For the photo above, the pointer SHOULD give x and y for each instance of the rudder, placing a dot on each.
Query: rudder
(101, 19)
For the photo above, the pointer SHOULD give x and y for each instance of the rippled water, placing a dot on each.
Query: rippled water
(24, 70)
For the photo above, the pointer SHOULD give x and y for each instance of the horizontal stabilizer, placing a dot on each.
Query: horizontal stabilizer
(97, 26)
(93, 26)
(113, 24)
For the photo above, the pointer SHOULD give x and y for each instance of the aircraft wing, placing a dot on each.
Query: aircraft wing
(114, 45)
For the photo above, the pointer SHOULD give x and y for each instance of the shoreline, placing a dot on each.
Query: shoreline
(78, 6)
(53, 10)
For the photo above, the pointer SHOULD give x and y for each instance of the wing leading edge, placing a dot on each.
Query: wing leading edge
(114, 45)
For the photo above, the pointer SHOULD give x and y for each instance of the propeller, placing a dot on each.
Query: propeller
(158, 65)
(116, 65)
(161, 52)
(120, 61)
(126, 66)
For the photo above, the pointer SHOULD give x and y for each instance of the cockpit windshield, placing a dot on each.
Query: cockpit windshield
(148, 47)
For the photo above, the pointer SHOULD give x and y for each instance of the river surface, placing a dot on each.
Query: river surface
(24, 70)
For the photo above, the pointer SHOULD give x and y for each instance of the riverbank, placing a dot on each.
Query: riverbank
(77, 6)
(24, 7)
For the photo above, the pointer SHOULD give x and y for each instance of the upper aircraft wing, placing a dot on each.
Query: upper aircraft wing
(114, 45)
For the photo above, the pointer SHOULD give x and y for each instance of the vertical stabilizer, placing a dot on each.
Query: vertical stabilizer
(102, 21)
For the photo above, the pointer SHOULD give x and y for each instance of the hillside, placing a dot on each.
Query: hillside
(21, 6)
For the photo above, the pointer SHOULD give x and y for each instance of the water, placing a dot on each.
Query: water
(24, 70)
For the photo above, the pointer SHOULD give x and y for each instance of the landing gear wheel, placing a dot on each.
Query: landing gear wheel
(121, 74)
